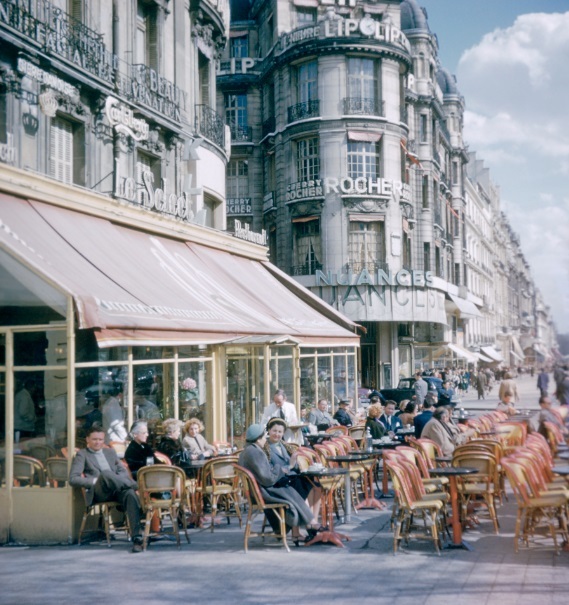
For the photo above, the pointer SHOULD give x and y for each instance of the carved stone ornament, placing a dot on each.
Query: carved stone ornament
(49, 103)
(153, 144)
(73, 108)
(306, 208)
(366, 205)
(207, 39)
(407, 210)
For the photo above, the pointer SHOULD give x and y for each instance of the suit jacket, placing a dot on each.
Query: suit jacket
(421, 420)
(343, 417)
(395, 424)
(319, 418)
(290, 417)
(421, 387)
(85, 471)
(435, 431)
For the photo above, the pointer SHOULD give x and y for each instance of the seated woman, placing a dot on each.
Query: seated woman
(283, 454)
(408, 414)
(139, 453)
(194, 442)
(376, 429)
(443, 432)
(507, 404)
(274, 484)
(170, 443)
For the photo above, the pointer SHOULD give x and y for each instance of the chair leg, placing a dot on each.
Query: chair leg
(106, 520)
(173, 510)
(82, 528)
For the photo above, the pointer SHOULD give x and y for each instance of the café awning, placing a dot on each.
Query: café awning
(491, 353)
(457, 350)
(135, 287)
(467, 309)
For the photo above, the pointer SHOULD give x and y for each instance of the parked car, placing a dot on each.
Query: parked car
(405, 389)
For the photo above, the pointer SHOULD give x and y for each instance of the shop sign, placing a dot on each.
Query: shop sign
(367, 186)
(237, 66)
(303, 190)
(243, 232)
(44, 77)
(162, 200)
(368, 27)
(7, 150)
(379, 277)
(240, 205)
(122, 119)
(299, 35)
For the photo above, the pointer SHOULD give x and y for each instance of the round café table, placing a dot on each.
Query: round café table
(333, 477)
(379, 446)
(452, 472)
(563, 456)
(561, 470)
(369, 500)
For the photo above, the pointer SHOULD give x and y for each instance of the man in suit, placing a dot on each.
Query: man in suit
(321, 417)
(100, 472)
(421, 387)
(342, 415)
(391, 423)
(421, 419)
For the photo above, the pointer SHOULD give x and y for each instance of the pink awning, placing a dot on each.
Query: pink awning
(123, 279)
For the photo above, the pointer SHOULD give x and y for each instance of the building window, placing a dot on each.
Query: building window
(362, 78)
(75, 9)
(425, 192)
(204, 79)
(363, 160)
(305, 16)
(306, 246)
(3, 115)
(455, 171)
(307, 159)
(426, 256)
(238, 179)
(210, 206)
(146, 35)
(366, 245)
(67, 151)
(240, 47)
(438, 263)
(236, 115)
(148, 163)
(407, 255)
(307, 77)
(423, 130)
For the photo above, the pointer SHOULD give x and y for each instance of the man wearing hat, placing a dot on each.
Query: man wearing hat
(342, 415)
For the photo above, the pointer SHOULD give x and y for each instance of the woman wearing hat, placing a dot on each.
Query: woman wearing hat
(275, 483)
(283, 454)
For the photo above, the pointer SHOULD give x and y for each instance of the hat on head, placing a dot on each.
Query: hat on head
(254, 432)
(344, 402)
(274, 421)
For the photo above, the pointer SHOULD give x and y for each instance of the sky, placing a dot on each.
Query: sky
(511, 62)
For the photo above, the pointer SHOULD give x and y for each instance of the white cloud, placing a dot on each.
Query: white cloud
(515, 83)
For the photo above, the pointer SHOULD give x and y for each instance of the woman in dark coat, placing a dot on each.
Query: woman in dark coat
(275, 485)
(376, 429)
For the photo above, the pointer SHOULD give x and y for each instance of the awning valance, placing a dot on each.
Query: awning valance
(359, 136)
(491, 353)
(517, 349)
(462, 353)
(518, 357)
(467, 309)
(134, 286)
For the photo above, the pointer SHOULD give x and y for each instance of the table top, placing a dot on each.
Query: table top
(563, 455)
(449, 471)
(406, 431)
(561, 470)
(443, 458)
(354, 457)
(326, 472)
(379, 445)
(294, 427)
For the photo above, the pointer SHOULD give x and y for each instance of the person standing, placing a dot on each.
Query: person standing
(421, 387)
(25, 410)
(281, 408)
(543, 382)
(481, 384)
(508, 385)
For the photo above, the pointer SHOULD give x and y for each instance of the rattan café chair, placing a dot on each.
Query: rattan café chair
(255, 505)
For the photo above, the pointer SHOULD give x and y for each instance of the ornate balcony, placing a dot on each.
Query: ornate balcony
(361, 106)
(210, 125)
(303, 111)
(241, 134)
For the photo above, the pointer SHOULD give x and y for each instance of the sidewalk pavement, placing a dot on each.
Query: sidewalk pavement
(214, 569)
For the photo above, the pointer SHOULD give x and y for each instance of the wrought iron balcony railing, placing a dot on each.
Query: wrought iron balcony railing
(241, 134)
(210, 125)
(362, 106)
(303, 111)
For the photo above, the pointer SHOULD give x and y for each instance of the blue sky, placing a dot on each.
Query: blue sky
(511, 61)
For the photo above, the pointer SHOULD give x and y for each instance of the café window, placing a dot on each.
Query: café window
(236, 114)
(307, 82)
(363, 159)
(238, 179)
(146, 34)
(307, 246)
(67, 151)
(307, 159)
(366, 245)
(239, 47)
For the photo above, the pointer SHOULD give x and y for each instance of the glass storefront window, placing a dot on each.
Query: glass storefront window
(308, 387)
(282, 371)
(325, 390)
(195, 390)
(45, 348)
(141, 353)
(2, 422)
(40, 423)
(87, 349)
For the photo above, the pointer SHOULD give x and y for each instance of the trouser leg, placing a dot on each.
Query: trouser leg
(112, 487)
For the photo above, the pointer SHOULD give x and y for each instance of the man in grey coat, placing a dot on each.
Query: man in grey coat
(421, 387)
(101, 473)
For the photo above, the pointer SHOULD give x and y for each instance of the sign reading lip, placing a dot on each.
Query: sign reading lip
(122, 119)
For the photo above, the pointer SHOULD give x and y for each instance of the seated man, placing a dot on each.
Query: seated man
(421, 419)
(321, 417)
(442, 431)
(547, 414)
(390, 422)
(342, 415)
(104, 478)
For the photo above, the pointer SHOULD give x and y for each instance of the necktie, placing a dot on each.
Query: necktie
(281, 413)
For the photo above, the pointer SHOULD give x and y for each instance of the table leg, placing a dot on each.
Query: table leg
(328, 517)
(385, 491)
(369, 500)
(347, 498)
(457, 541)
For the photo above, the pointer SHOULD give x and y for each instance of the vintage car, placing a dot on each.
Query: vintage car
(405, 389)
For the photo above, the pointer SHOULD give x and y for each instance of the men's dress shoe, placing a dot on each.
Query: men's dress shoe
(137, 544)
